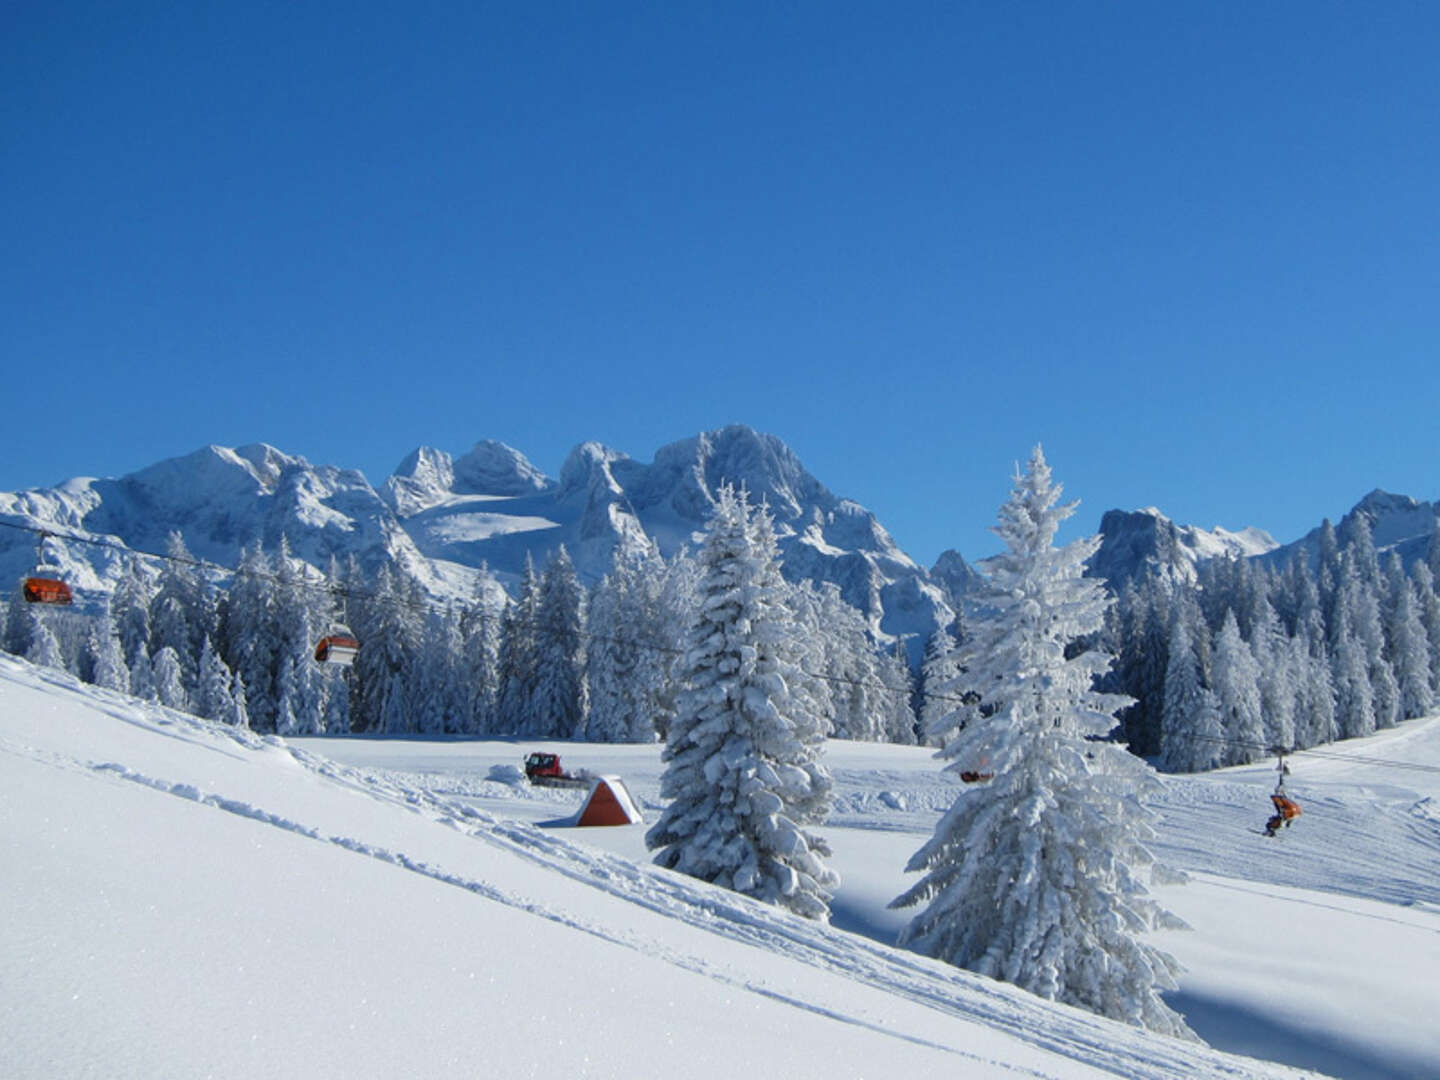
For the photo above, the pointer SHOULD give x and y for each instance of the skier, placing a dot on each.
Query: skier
(1286, 808)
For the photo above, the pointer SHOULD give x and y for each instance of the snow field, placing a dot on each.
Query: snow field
(196, 901)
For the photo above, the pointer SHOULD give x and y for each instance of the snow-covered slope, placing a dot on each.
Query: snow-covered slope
(187, 900)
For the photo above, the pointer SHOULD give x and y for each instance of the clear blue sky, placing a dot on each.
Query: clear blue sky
(1193, 249)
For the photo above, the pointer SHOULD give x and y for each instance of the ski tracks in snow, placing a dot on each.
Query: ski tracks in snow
(1123, 1051)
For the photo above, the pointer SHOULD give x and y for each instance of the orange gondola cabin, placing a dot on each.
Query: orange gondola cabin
(46, 587)
(339, 647)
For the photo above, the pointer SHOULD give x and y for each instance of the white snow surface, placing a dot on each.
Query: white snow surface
(182, 899)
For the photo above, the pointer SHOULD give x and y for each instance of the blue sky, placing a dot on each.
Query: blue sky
(1190, 248)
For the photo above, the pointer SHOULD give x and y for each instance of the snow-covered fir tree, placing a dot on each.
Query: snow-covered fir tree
(938, 675)
(169, 680)
(1191, 739)
(627, 658)
(440, 699)
(239, 715)
(386, 623)
(130, 607)
(42, 646)
(212, 686)
(1038, 876)
(1408, 644)
(1354, 697)
(142, 674)
(108, 668)
(736, 758)
(1428, 604)
(899, 712)
(559, 702)
(180, 611)
(1276, 674)
(1236, 682)
(248, 634)
(518, 664)
(298, 612)
(480, 631)
(678, 598)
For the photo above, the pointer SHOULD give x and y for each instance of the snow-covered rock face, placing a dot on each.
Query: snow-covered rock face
(953, 574)
(219, 499)
(492, 468)
(1135, 541)
(1398, 523)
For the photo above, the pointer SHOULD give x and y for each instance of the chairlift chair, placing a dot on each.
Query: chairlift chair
(46, 586)
(46, 583)
(338, 647)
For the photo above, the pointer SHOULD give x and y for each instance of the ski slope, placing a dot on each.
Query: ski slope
(186, 900)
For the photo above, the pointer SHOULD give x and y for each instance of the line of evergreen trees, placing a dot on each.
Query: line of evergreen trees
(559, 662)
(1334, 645)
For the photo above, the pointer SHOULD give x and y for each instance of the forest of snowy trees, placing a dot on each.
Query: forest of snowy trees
(1253, 657)
(560, 661)
(1250, 657)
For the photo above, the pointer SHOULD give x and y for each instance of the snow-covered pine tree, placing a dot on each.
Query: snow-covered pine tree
(1428, 604)
(386, 625)
(142, 673)
(1144, 619)
(1236, 682)
(734, 760)
(43, 648)
(178, 611)
(1190, 734)
(480, 629)
(627, 656)
(938, 673)
(169, 680)
(108, 668)
(1275, 673)
(249, 634)
(1409, 646)
(1314, 695)
(239, 715)
(130, 607)
(519, 655)
(677, 598)
(440, 699)
(1036, 878)
(559, 702)
(894, 674)
(17, 623)
(212, 687)
(806, 707)
(1354, 697)
(299, 612)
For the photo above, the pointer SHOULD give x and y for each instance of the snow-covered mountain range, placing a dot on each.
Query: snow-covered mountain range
(466, 524)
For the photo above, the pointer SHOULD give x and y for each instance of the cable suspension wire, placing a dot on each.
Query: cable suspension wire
(1296, 751)
(434, 607)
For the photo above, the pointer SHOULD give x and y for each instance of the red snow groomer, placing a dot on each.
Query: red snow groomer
(544, 770)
